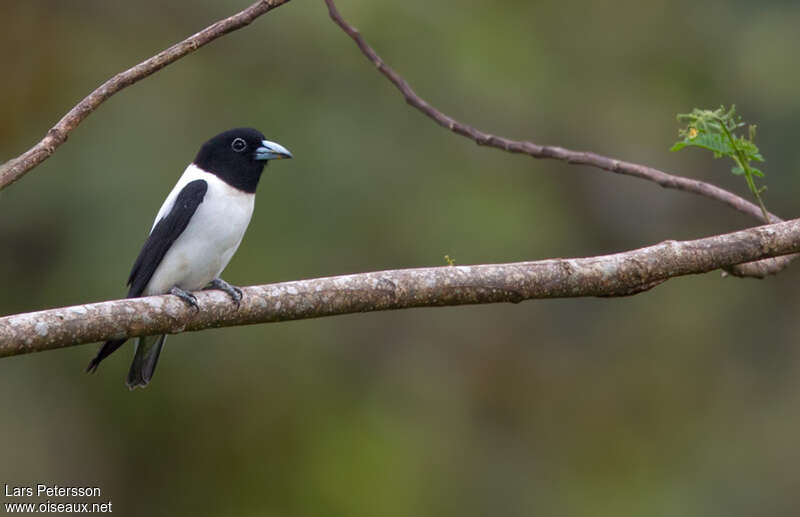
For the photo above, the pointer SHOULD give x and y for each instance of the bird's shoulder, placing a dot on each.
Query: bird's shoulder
(190, 175)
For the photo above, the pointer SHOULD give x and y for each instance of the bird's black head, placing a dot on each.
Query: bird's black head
(238, 157)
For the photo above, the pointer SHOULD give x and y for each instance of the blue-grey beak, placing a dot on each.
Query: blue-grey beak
(272, 151)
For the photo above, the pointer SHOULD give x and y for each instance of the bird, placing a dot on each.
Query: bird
(195, 233)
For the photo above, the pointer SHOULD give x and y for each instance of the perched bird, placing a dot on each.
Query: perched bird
(196, 232)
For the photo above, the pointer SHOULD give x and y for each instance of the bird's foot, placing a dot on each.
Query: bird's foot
(231, 290)
(186, 296)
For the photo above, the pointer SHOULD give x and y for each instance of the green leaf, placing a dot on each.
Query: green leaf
(714, 142)
(720, 131)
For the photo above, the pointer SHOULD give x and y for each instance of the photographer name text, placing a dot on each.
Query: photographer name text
(42, 490)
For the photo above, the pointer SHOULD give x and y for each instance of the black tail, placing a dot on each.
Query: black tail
(108, 348)
(145, 360)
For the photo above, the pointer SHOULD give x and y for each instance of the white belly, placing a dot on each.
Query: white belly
(209, 241)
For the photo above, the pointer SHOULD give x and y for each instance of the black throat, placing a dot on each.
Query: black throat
(236, 170)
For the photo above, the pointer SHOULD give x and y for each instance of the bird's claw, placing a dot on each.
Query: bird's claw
(231, 290)
(186, 296)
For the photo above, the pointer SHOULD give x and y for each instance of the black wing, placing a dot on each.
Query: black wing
(169, 228)
(165, 232)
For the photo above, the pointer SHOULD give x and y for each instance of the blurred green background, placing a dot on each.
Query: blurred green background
(681, 401)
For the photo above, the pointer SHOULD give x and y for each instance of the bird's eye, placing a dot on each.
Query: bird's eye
(238, 145)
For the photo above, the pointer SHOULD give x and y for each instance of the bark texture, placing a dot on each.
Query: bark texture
(621, 274)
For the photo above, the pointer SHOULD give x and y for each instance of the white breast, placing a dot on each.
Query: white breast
(211, 238)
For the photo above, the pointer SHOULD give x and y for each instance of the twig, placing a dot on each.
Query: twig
(661, 178)
(15, 168)
(621, 274)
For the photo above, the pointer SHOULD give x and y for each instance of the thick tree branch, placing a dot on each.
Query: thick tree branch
(620, 274)
(661, 178)
(15, 168)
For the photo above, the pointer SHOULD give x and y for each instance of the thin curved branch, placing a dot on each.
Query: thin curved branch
(15, 168)
(621, 274)
(661, 178)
